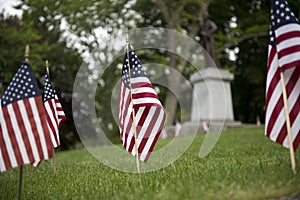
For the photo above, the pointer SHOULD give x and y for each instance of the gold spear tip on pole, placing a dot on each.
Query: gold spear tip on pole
(127, 38)
(26, 55)
(47, 66)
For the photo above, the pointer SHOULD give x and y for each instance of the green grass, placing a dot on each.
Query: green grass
(244, 164)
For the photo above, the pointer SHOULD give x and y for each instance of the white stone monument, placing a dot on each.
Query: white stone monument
(212, 100)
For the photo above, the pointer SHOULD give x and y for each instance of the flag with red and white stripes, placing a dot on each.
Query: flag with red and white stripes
(24, 135)
(136, 92)
(283, 56)
(54, 111)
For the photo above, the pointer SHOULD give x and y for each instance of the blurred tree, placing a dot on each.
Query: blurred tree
(244, 31)
(44, 44)
(75, 25)
(62, 30)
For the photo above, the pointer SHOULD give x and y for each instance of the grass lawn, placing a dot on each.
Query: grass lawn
(244, 164)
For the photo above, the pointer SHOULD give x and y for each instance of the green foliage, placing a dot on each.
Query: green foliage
(47, 27)
(243, 165)
(250, 41)
(14, 37)
(44, 44)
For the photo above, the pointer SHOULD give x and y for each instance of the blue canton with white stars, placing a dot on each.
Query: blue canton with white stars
(281, 14)
(136, 69)
(22, 86)
(49, 92)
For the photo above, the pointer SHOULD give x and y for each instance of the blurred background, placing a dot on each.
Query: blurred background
(235, 33)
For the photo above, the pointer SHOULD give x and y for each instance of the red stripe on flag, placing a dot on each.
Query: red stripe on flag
(273, 84)
(271, 57)
(293, 115)
(125, 109)
(289, 50)
(296, 141)
(155, 139)
(129, 126)
(23, 131)
(33, 128)
(290, 65)
(275, 113)
(63, 118)
(123, 105)
(4, 151)
(146, 105)
(12, 136)
(287, 36)
(131, 144)
(52, 111)
(141, 85)
(282, 134)
(52, 129)
(149, 129)
(42, 116)
(144, 95)
(142, 119)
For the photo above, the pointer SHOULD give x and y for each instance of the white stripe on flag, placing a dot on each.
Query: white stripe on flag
(289, 58)
(294, 129)
(39, 128)
(18, 134)
(144, 128)
(273, 68)
(148, 120)
(2, 166)
(146, 101)
(286, 29)
(124, 106)
(28, 129)
(143, 90)
(273, 100)
(154, 131)
(140, 79)
(52, 121)
(280, 121)
(277, 94)
(52, 136)
(132, 129)
(7, 141)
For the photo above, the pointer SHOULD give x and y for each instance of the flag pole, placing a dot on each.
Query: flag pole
(47, 66)
(288, 123)
(133, 112)
(54, 162)
(20, 182)
(26, 56)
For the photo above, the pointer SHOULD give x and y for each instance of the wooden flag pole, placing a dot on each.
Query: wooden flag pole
(26, 56)
(47, 66)
(133, 112)
(20, 182)
(54, 162)
(288, 123)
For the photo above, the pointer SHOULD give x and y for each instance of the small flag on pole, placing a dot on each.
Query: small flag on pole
(137, 91)
(54, 111)
(24, 135)
(283, 57)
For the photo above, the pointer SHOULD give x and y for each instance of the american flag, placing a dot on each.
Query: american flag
(149, 113)
(24, 135)
(283, 56)
(54, 111)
